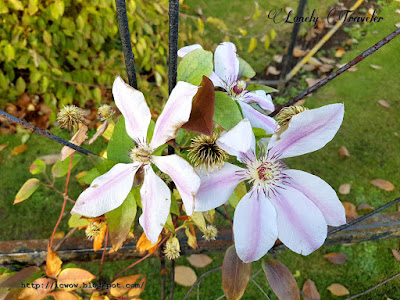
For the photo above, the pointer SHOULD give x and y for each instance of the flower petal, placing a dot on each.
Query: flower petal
(308, 131)
(257, 119)
(254, 227)
(133, 106)
(176, 113)
(319, 192)
(261, 97)
(183, 175)
(216, 187)
(216, 80)
(301, 225)
(156, 202)
(107, 191)
(239, 141)
(187, 49)
(226, 62)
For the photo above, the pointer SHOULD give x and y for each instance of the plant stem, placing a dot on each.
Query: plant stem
(172, 280)
(347, 66)
(103, 255)
(126, 42)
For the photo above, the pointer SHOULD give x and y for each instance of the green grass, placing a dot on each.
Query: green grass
(367, 132)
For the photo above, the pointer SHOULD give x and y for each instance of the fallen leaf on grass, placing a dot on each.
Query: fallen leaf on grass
(376, 67)
(338, 289)
(397, 11)
(339, 52)
(311, 81)
(352, 69)
(344, 189)
(185, 276)
(397, 25)
(310, 290)
(278, 58)
(383, 184)
(325, 68)
(337, 258)
(350, 209)
(19, 149)
(396, 254)
(343, 152)
(327, 60)
(365, 206)
(314, 62)
(297, 52)
(3, 146)
(272, 70)
(308, 67)
(199, 260)
(384, 103)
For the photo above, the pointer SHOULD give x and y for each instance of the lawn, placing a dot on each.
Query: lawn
(368, 132)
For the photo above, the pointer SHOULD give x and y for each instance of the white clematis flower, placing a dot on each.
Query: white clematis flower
(109, 191)
(228, 77)
(291, 205)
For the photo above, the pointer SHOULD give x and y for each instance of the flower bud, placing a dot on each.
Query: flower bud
(286, 114)
(105, 112)
(70, 116)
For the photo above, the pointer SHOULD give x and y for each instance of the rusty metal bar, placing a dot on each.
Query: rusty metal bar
(380, 226)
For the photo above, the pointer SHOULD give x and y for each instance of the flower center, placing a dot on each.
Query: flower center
(266, 173)
(238, 88)
(141, 153)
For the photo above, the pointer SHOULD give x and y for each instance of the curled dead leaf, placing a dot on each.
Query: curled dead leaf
(340, 52)
(376, 67)
(327, 60)
(337, 258)
(144, 244)
(272, 70)
(310, 290)
(312, 81)
(383, 184)
(396, 254)
(297, 52)
(338, 289)
(136, 291)
(344, 189)
(79, 137)
(343, 152)
(102, 128)
(350, 210)
(199, 260)
(185, 276)
(384, 103)
(365, 206)
(325, 68)
(278, 58)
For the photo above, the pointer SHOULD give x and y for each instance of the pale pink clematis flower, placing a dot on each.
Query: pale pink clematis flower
(291, 205)
(228, 77)
(108, 191)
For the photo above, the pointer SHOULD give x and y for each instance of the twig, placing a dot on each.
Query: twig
(373, 288)
(71, 232)
(162, 273)
(44, 133)
(229, 218)
(172, 280)
(126, 42)
(218, 210)
(199, 280)
(103, 255)
(355, 61)
(173, 43)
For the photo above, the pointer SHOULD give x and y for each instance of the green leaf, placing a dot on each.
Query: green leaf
(9, 52)
(16, 4)
(120, 221)
(33, 7)
(266, 42)
(20, 85)
(256, 87)
(194, 65)
(89, 176)
(60, 168)
(76, 221)
(37, 167)
(29, 187)
(102, 164)
(238, 194)
(174, 205)
(57, 9)
(47, 38)
(245, 70)
(169, 224)
(226, 113)
(199, 220)
(120, 143)
(272, 33)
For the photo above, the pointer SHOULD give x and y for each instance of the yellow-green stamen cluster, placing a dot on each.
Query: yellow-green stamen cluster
(286, 114)
(70, 116)
(105, 112)
(205, 153)
(92, 231)
(210, 232)
(141, 153)
(172, 249)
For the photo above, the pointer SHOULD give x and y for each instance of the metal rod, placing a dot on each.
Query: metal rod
(126, 42)
(173, 43)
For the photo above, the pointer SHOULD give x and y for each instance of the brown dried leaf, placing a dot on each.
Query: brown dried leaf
(73, 276)
(16, 279)
(19, 149)
(337, 258)
(192, 239)
(325, 68)
(297, 52)
(376, 67)
(202, 114)
(311, 81)
(3, 146)
(338, 289)
(53, 263)
(350, 209)
(79, 137)
(314, 61)
(50, 159)
(278, 58)
(280, 279)
(62, 295)
(199, 260)
(144, 244)
(99, 131)
(383, 184)
(397, 25)
(185, 276)
(339, 52)
(327, 60)
(384, 103)
(272, 70)
(308, 67)
(344, 189)
(44, 287)
(136, 291)
(365, 206)
(343, 152)
(310, 290)
(235, 274)
(396, 254)
(122, 282)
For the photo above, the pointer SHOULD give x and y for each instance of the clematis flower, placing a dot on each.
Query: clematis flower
(291, 205)
(109, 191)
(228, 77)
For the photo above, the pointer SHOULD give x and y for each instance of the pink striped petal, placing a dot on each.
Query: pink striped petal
(216, 187)
(319, 192)
(107, 191)
(239, 141)
(156, 202)
(183, 175)
(308, 131)
(254, 227)
(257, 119)
(187, 49)
(226, 63)
(176, 113)
(132, 105)
(301, 225)
(263, 99)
